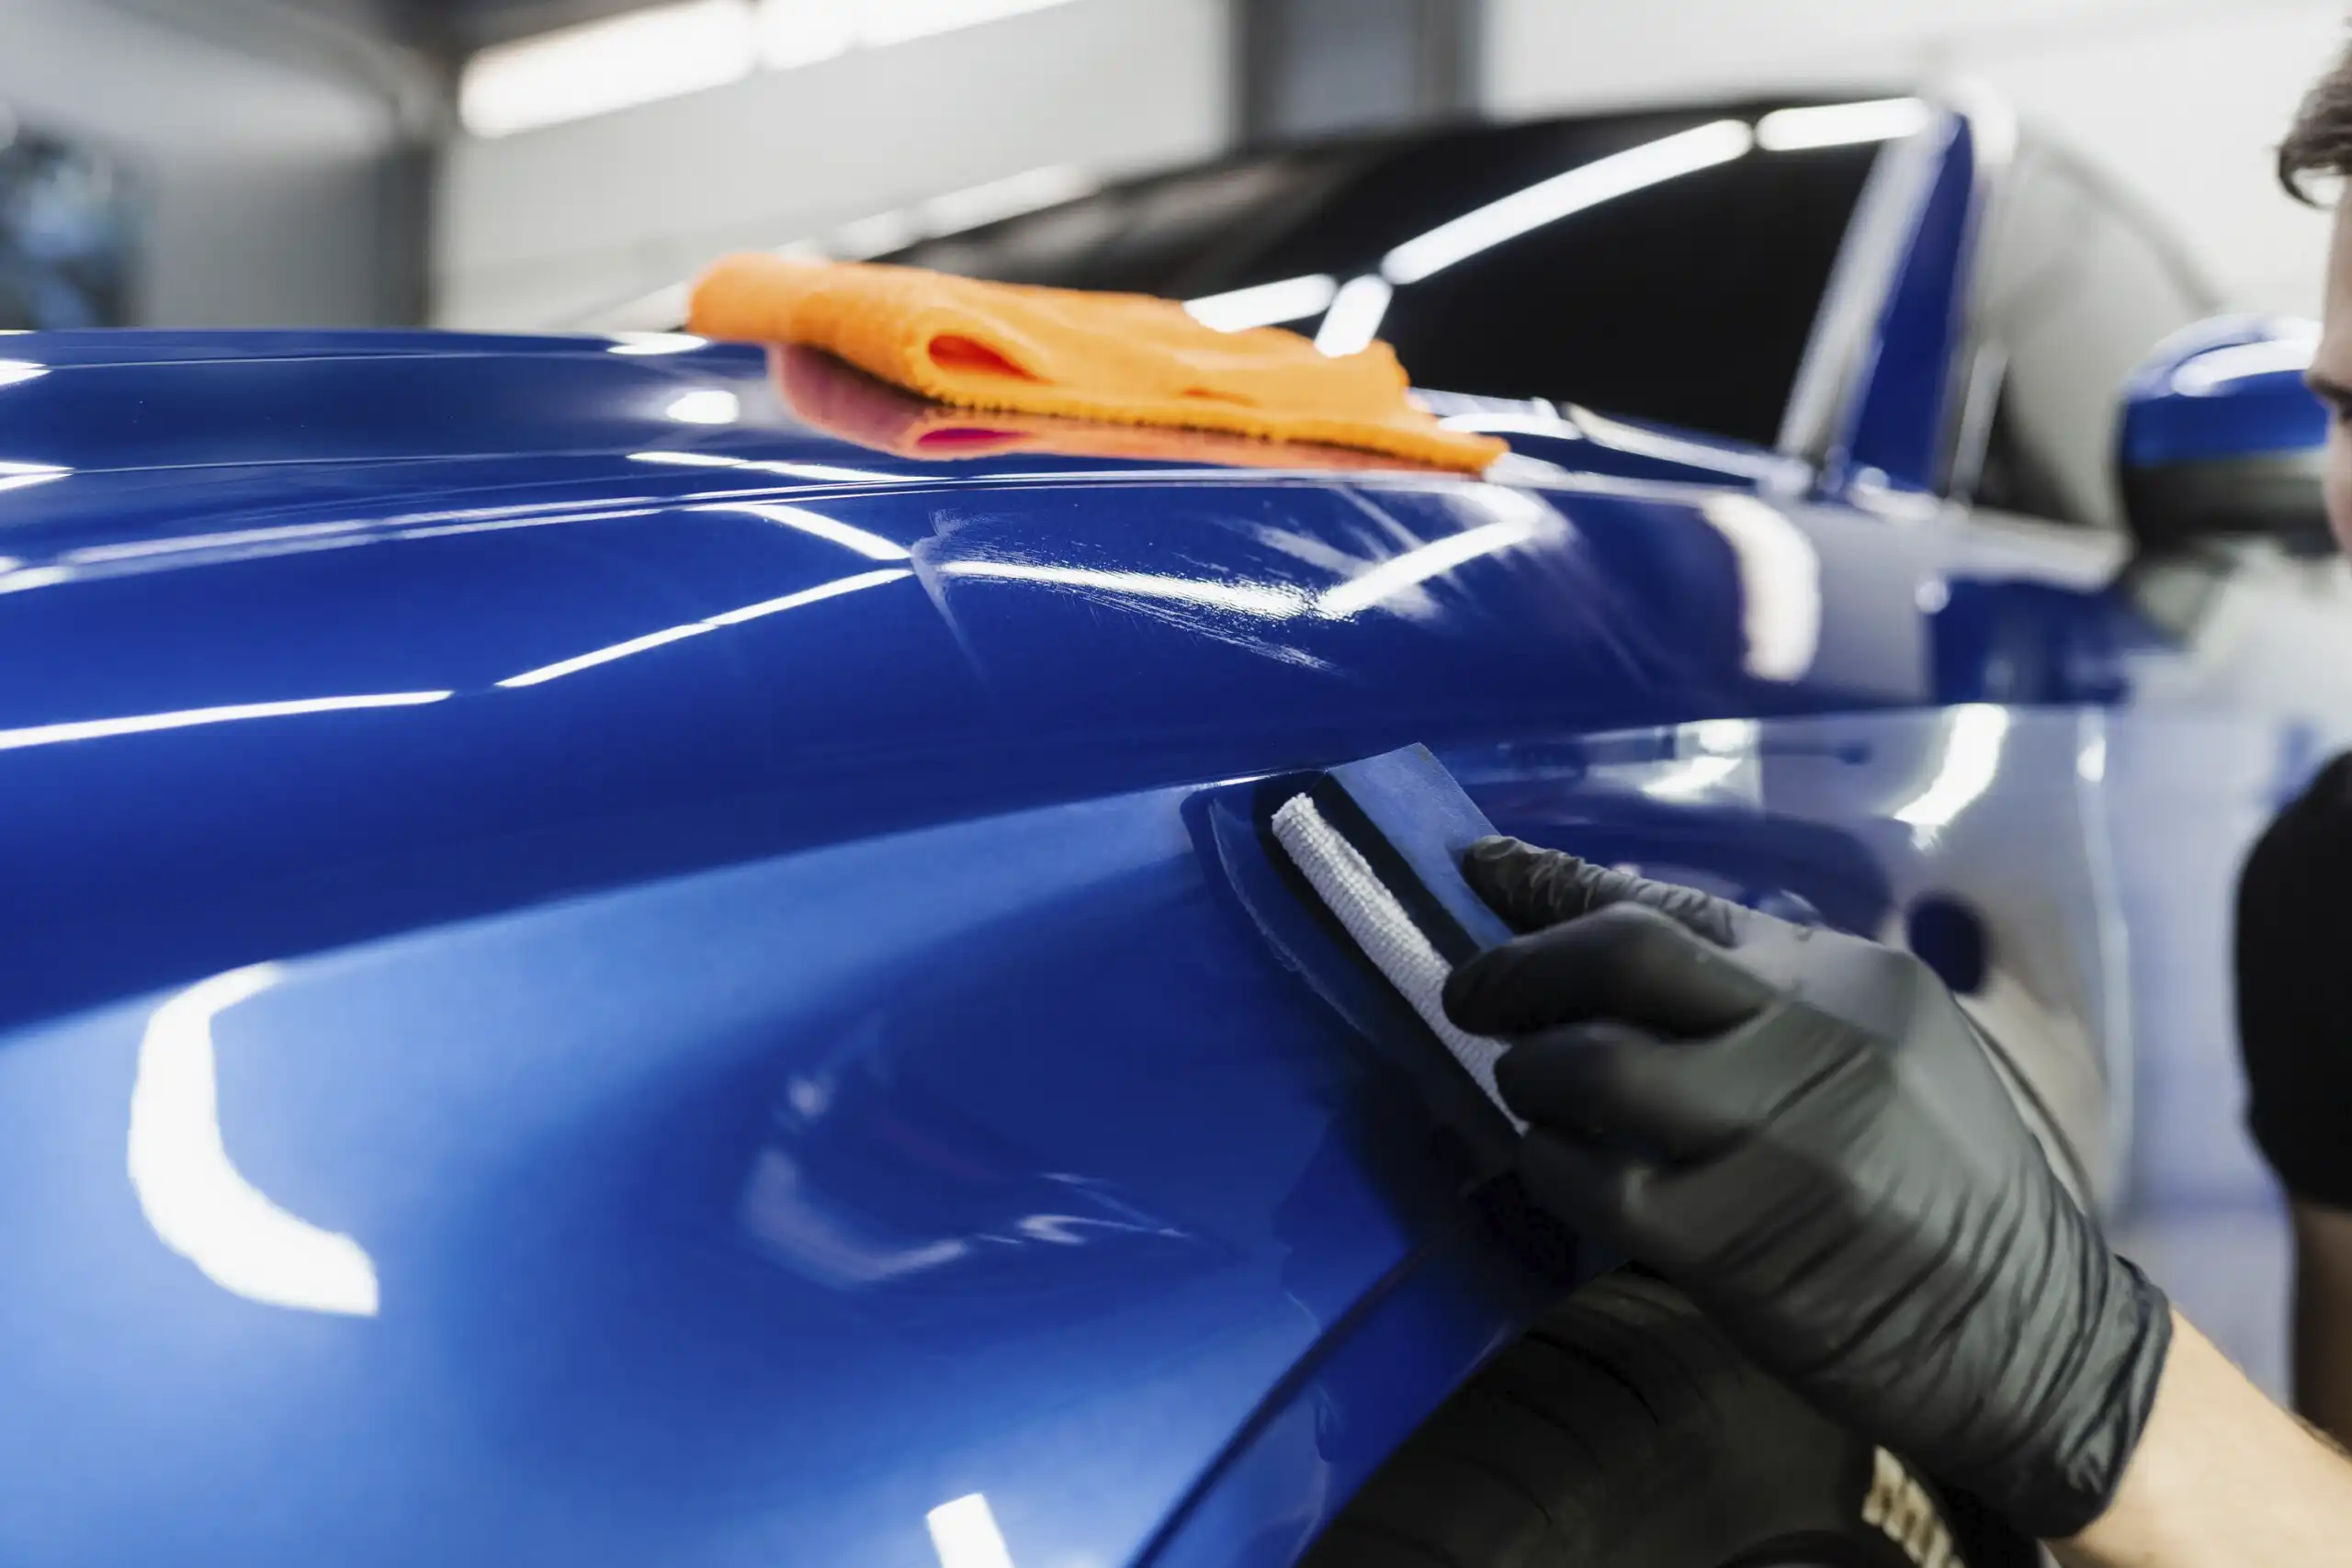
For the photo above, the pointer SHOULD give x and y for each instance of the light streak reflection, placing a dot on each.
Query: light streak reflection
(196, 1200)
(140, 723)
(667, 635)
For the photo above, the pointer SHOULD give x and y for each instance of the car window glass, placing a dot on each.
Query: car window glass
(1687, 301)
(2074, 292)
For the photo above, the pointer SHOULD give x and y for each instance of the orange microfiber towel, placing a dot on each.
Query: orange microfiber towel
(837, 397)
(1124, 358)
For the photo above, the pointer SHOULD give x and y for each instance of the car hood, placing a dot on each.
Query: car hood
(97, 402)
(308, 638)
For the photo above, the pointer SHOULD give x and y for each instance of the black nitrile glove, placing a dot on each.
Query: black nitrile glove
(1802, 1130)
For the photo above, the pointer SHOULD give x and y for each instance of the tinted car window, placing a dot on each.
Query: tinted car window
(1687, 301)
(2074, 290)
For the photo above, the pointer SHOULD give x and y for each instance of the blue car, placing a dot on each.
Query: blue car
(627, 951)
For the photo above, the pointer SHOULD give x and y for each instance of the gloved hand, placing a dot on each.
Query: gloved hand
(1802, 1130)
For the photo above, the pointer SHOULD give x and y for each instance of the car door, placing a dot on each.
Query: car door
(2227, 697)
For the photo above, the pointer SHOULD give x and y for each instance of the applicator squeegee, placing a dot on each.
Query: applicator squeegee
(1380, 841)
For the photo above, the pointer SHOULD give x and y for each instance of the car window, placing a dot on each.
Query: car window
(2074, 290)
(1686, 301)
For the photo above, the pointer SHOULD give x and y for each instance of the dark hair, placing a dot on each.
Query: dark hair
(2320, 141)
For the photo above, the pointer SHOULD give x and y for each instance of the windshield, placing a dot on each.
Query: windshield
(1658, 265)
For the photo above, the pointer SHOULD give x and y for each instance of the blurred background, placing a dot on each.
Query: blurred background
(536, 163)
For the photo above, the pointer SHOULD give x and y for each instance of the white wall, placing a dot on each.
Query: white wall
(2181, 99)
(542, 227)
(263, 181)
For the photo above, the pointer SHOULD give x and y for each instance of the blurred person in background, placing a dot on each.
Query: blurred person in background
(2294, 931)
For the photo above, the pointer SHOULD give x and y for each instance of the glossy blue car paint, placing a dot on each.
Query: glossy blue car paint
(1899, 421)
(2228, 387)
(595, 978)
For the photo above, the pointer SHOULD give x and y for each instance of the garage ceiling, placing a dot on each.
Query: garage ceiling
(466, 23)
(447, 28)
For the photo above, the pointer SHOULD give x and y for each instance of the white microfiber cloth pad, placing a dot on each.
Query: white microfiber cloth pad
(1373, 916)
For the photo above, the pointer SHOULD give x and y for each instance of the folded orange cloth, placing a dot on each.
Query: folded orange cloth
(839, 398)
(1124, 359)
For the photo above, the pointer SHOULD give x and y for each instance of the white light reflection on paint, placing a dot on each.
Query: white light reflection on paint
(1780, 585)
(16, 371)
(137, 548)
(20, 476)
(787, 470)
(141, 724)
(834, 589)
(1765, 466)
(595, 657)
(34, 576)
(705, 407)
(872, 545)
(2221, 368)
(965, 1534)
(1265, 304)
(1722, 745)
(1418, 565)
(1355, 318)
(1691, 778)
(1973, 734)
(668, 635)
(656, 343)
(195, 1199)
(1839, 125)
(1603, 179)
(1385, 580)
(500, 525)
(1251, 599)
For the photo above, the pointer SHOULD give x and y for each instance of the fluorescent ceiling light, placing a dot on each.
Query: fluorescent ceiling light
(1836, 125)
(1265, 304)
(802, 32)
(666, 50)
(1355, 316)
(895, 21)
(597, 67)
(1719, 142)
